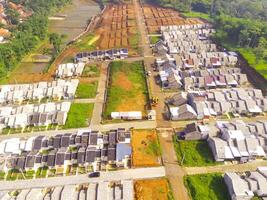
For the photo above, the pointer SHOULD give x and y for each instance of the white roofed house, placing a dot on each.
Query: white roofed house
(238, 188)
(182, 112)
(261, 183)
(220, 149)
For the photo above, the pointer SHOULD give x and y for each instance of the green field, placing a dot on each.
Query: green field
(91, 71)
(206, 186)
(87, 42)
(193, 153)
(79, 115)
(127, 90)
(87, 90)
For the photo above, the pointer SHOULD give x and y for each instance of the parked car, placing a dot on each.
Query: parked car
(94, 174)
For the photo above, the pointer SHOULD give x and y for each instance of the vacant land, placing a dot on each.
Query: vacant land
(193, 153)
(127, 90)
(79, 115)
(86, 90)
(206, 186)
(154, 189)
(146, 148)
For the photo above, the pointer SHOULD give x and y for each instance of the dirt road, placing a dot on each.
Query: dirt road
(174, 172)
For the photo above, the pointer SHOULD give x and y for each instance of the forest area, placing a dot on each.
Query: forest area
(27, 35)
(241, 25)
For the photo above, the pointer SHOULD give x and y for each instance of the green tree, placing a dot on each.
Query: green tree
(56, 40)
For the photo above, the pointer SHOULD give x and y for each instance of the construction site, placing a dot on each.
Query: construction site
(155, 17)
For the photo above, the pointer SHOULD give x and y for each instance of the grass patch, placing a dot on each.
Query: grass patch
(86, 90)
(146, 148)
(127, 90)
(87, 42)
(79, 115)
(154, 39)
(206, 186)
(91, 71)
(260, 66)
(193, 153)
(134, 41)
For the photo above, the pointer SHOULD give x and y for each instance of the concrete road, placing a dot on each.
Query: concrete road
(139, 173)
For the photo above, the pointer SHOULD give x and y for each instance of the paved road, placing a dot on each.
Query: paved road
(100, 127)
(174, 172)
(250, 166)
(139, 173)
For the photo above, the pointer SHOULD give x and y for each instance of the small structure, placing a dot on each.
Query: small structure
(133, 115)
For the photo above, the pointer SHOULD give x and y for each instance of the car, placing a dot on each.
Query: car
(94, 175)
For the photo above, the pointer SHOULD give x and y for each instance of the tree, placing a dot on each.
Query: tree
(56, 40)
(259, 53)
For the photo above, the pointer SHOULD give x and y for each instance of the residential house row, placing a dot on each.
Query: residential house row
(93, 191)
(70, 70)
(212, 103)
(34, 115)
(239, 141)
(85, 149)
(58, 89)
(110, 54)
(245, 186)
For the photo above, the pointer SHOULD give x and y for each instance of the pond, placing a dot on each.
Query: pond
(77, 17)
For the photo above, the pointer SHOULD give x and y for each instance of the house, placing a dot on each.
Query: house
(220, 149)
(237, 187)
(193, 132)
(182, 112)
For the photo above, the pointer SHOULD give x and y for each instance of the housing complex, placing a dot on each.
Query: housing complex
(215, 102)
(239, 141)
(91, 149)
(188, 59)
(230, 140)
(247, 185)
(34, 115)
